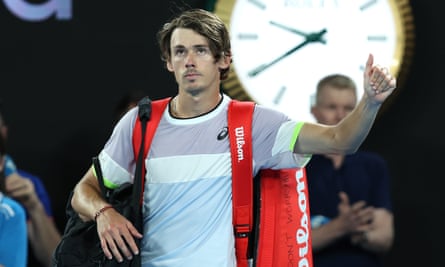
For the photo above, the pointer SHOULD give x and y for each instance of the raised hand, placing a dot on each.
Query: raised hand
(378, 81)
(22, 190)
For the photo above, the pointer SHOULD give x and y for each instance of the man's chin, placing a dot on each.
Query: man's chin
(194, 90)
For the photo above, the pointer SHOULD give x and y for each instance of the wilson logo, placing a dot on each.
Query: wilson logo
(302, 234)
(240, 142)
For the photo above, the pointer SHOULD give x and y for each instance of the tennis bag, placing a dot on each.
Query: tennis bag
(271, 211)
(271, 216)
(80, 243)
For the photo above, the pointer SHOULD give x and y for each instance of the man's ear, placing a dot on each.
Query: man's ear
(314, 112)
(225, 61)
(169, 66)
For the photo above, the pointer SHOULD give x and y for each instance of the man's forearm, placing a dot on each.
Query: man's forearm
(87, 198)
(43, 234)
(326, 234)
(353, 129)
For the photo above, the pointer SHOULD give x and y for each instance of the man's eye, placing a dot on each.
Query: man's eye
(202, 51)
(179, 52)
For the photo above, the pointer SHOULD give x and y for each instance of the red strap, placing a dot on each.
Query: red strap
(240, 133)
(157, 109)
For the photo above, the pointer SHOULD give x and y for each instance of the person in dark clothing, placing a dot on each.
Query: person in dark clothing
(350, 205)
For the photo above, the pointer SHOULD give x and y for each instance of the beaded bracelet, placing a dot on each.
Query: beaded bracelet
(99, 212)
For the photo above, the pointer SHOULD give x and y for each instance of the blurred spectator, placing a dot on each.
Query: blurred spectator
(13, 240)
(351, 216)
(30, 191)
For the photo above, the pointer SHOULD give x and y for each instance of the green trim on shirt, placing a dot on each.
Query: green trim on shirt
(107, 183)
(295, 135)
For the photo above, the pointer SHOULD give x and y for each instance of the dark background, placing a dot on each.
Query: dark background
(60, 81)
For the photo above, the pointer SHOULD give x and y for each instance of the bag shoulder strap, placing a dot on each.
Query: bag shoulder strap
(240, 115)
(157, 109)
(141, 145)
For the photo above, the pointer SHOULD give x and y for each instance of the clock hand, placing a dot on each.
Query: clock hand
(310, 38)
(293, 30)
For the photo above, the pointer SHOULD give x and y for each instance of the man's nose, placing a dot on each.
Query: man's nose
(190, 60)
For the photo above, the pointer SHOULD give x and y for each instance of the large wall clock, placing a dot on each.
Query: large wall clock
(281, 48)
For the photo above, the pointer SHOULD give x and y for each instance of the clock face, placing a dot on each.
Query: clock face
(281, 48)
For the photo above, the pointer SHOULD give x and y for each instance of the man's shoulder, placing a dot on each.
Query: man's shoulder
(36, 180)
(10, 208)
(12, 168)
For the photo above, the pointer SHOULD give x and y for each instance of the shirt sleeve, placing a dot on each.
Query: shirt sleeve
(117, 156)
(274, 135)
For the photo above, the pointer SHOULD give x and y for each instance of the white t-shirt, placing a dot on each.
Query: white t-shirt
(188, 196)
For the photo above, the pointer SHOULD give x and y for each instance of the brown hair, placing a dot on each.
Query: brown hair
(204, 23)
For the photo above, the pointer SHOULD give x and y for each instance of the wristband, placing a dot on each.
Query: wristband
(102, 210)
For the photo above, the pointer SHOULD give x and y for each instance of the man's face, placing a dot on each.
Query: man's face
(333, 105)
(192, 61)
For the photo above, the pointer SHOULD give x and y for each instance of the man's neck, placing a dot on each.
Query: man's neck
(192, 106)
